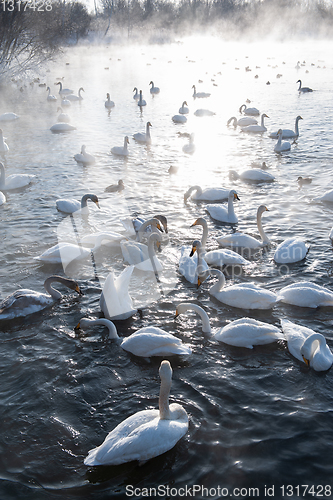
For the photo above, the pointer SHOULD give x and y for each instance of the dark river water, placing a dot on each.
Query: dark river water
(260, 422)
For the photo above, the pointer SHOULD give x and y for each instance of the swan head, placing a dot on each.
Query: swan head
(299, 118)
(163, 221)
(165, 371)
(199, 222)
(149, 124)
(264, 115)
(233, 195)
(262, 209)
(309, 347)
(108, 95)
(184, 103)
(70, 283)
(196, 246)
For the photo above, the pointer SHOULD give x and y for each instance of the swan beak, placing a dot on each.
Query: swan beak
(97, 204)
(158, 244)
(267, 209)
(199, 281)
(77, 327)
(194, 223)
(193, 251)
(236, 197)
(306, 361)
(177, 313)
(77, 289)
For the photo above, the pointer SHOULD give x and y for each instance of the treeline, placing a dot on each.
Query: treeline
(33, 30)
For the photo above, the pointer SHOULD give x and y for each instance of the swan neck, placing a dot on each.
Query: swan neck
(308, 344)
(203, 316)
(217, 287)
(231, 211)
(163, 403)
(204, 234)
(262, 120)
(55, 294)
(262, 233)
(2, 176)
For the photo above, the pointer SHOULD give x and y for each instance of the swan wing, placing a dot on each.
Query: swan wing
(23, 302)
(247, 296)
(115, 300)
(154, 342)
(305, 294)
(239, 240)
(224, 257)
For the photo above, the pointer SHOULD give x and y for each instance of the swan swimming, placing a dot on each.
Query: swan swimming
(84, 157)
(307, 346)
(190, 147)
(242, 240)
(305, 294)
(280, 146)
(244, 332)
(243, 296)
(113, 188)
(3, 145)
(50, 97)
(14, 181)
(249, 111)
(245, 121)
(200, 95)
(121, 151)
(224, 214)
(24, 302)
(63, 117)
(179, 119)
(62, 91)
(8, 117)
(108, 103)
(136, 95)
(62, 127)
(252, 175)
(196, 193)
(2, 199)
(291, 250)
(144, 137)
(183, 110)
(256, 129)
(141, 101)
(204, 112)
(192, 265)
(303, 89)
(153, 89)
(288, 133)
(146, 342)
(69, 206)
(145, 434)
(115, 301)
(73, 97)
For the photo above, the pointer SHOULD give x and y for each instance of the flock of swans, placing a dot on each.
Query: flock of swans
(149, 433)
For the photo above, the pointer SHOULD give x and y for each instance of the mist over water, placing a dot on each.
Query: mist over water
(257, 417)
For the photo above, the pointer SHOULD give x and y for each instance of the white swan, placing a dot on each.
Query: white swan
(183, 110)
(305, 294)
(113, 188)
(242, 240)
(144, 227)
(248, 332)
(63, 91)
(8, 117)
(141, 255)
(108, 103)
(69, 206)
(307, 346)
(190, 147)
(224, 214)
(291, 250)
(199, 95)
(252, 175)
(73, 97)
(249, 111)
(243, 295)
(144, 137)
(63, 117)
(14, 181)
(3, 145)
(84, 157)
(179, 119)
(280, 146)
(153, 89)
(136, 95)
(303, 89)
(288, 133)
(146, 342)
(50, 97)
(141, 101)
(65, 102)
(147, 433)
(204, 112)
(192, 265)
(121, 151)
(62, 127)
(196, 193)
(244, 332)
(115, 301)
(256, 129)
(108, 238)
(242, 122)
(24, 302)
